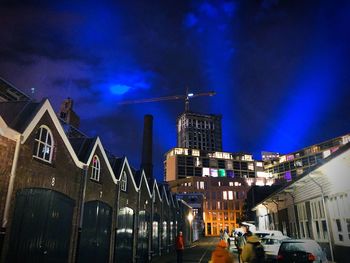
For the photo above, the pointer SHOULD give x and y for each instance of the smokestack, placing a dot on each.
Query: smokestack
(147, 149)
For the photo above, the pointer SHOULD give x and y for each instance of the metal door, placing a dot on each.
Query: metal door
(124, 238)
(41, 226)
(142, 242)
(155, 234)
(96, 232)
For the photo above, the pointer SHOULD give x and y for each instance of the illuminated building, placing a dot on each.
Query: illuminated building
(223, 179)
(315, 205)
(199, 131)
(289, 166)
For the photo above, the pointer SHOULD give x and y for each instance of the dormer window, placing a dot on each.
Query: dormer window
(123, 182)
(43, 145)
(95, 169)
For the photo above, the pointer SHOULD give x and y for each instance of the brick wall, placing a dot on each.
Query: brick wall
(7, 151)
(62, 175)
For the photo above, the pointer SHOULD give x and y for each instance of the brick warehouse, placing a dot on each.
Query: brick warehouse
(66, 199)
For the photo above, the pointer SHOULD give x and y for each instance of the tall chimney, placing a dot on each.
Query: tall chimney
(147, 149)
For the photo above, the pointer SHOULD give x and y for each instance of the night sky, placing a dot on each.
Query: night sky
(281, 69)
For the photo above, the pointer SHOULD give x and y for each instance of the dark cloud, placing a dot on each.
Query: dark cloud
(265, 59)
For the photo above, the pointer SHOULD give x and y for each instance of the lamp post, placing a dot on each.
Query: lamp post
(190, 218)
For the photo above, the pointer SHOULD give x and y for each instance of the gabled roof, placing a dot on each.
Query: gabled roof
(164, 194)
(92, 153)
(118, 167)
(7, 131)
(28, 116)
(83, 147)
(156, 191)
(143, 180)
(171, 199)
(18, 114)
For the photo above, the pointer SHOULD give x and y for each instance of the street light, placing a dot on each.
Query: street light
(190, 218)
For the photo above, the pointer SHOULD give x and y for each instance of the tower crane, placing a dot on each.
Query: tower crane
(186, 97)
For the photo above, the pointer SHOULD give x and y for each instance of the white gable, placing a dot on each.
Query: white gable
(46, 107)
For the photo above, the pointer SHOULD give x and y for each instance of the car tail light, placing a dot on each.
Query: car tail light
(311, 257)
(279, 257)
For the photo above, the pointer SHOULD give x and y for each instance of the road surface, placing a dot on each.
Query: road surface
(199, 252)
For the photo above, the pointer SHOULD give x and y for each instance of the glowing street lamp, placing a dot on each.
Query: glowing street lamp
(190, 218)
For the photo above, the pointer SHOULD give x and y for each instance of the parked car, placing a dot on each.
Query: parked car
(265, 233)
(300, 250)
(271, 246)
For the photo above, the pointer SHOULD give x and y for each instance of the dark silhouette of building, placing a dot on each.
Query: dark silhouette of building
(199, 131)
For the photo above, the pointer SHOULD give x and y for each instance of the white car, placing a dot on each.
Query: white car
(265, 233)
(271, 246)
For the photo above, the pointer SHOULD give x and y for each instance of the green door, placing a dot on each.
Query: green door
(41, 226)
(96, 232)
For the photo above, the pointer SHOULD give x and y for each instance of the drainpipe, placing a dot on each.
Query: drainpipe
(82, 205)
(116, 220)
(326, 215)
(114, 226)
(150, 244)
(11, 185)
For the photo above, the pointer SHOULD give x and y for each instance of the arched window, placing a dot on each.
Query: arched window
(123, 182)
(95, 169)
(43, 145)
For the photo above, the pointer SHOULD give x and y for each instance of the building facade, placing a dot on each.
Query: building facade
(289, 166)
(199, 131)
(184, 162)
(222, 178)
(315, 205)
(67, 200)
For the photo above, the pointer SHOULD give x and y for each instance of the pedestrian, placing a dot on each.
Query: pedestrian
(226, 237)
(221, 254)
(239, 242)
(221, 234)
(180, 246)
(253, 251)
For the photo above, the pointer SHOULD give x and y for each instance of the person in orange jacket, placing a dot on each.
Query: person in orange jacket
(180, 246)
(221, 254)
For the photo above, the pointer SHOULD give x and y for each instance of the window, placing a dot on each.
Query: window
(95, 169)
(230, 195)
(303, 220)
(339, 209)
(318, 220)
(224, 195)
(43, 145)
(123, 182)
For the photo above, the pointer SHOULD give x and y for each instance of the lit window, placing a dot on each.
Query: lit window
(224, 195)
(123, 182)
(230, 195)
(43, 145)
(251, 166)
(230, 183)
(95, 169)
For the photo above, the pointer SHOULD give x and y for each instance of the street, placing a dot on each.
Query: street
(199, 252)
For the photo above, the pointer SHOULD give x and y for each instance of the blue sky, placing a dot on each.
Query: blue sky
(280, 68)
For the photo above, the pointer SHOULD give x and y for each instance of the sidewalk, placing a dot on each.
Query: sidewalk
(199, 252)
